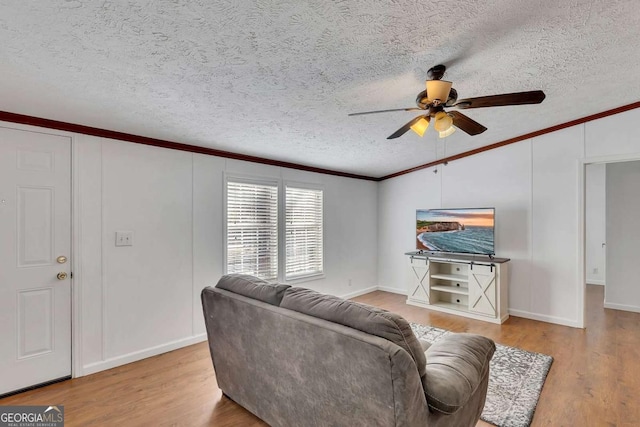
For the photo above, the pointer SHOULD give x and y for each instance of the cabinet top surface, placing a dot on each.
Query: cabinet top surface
(440, 256)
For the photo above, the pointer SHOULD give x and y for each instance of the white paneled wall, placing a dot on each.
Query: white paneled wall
(208, 237)
(622, 290)
(533, 185)
(481, 181)
(144, 300)
(554, 210)
(87, 250)
(146, 190)
(613, 136)
(398, 200)
(595, 223)
(535, 188)
(136, 300)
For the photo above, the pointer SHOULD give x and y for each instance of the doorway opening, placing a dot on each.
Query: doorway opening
(610, 206)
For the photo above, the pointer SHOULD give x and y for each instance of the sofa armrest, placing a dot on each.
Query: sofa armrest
(456, 366)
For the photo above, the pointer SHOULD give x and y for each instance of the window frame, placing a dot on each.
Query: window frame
(302, 186)
(255, 180)
(281, 185)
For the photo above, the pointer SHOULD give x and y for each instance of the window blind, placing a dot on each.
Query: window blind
(252, 229)
(304, 245)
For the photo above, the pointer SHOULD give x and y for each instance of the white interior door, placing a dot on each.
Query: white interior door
(35, 230)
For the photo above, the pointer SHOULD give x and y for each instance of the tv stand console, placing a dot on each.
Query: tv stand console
(473, 286)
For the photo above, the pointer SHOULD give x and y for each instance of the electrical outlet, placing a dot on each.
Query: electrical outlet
(349, 282)
(595, 270)
(124, 238)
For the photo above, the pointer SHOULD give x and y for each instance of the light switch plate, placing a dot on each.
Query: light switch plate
(124, 238)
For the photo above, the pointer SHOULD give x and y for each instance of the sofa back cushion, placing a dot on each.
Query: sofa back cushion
(372, 320)
(252, 287)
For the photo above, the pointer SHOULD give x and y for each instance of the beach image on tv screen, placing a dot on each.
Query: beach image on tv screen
(455, 230)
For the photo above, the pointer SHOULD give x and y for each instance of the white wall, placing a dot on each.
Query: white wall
(554, 257)
(479, 181)
(623, 210)
(517, 180)
(350, 221)
(396, 223)
(534, 186)
(595, 226)
(143, 300)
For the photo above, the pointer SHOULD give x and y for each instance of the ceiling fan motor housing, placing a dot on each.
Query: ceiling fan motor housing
(436, 72)
(423, 101)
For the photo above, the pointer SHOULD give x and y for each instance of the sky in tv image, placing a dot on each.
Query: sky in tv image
(456, 230)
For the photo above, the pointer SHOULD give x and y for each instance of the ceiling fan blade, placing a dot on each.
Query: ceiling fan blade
(404, 128)
(518, 98)
(386, 111)
(466, 124)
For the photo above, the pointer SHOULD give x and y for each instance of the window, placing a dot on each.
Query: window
(252, 229)
(272, 237)
(303, 232)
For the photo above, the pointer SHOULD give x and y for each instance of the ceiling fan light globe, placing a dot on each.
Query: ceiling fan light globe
(447, 132)
(420, 126)
(438, 90)
(443, 122)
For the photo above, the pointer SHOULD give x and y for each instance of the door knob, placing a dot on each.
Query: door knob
(62, 275)
(61, 259)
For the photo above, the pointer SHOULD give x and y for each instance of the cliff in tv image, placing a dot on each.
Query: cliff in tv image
(438, 226)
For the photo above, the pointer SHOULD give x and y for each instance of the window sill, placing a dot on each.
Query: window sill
(303, 279)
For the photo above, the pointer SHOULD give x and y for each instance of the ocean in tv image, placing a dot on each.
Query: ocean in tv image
(455, 230)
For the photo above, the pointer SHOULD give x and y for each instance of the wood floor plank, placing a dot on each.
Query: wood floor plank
(594, 380)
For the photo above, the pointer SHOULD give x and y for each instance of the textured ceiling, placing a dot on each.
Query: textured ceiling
(277, 78)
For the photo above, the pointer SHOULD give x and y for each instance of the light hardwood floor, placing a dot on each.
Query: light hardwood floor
(594, 379)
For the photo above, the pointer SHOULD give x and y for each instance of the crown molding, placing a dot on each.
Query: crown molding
(517, 139)
(137, 139)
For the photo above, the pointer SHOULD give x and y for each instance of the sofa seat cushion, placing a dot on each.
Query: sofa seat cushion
(424, 344)
(252, 287)
(456, 366)
(372, 320)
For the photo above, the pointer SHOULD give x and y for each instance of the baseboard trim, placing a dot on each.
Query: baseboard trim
(623, 307)
(544, 318)
(113, 362)
(392, 290)
(360, 292)
(517, 313)
(595, 282)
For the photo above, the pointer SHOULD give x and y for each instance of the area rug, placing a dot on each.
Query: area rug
(516, 378)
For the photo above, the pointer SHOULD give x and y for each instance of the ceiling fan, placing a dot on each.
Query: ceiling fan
(439, 94)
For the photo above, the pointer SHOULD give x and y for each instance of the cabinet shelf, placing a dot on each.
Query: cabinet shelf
(454, 306)
(451, 277)
(451, 289)
(475, 290)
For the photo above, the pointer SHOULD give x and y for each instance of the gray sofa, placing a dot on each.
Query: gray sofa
(294, 357)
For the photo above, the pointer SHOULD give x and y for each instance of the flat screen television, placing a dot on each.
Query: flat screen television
(464, 231)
